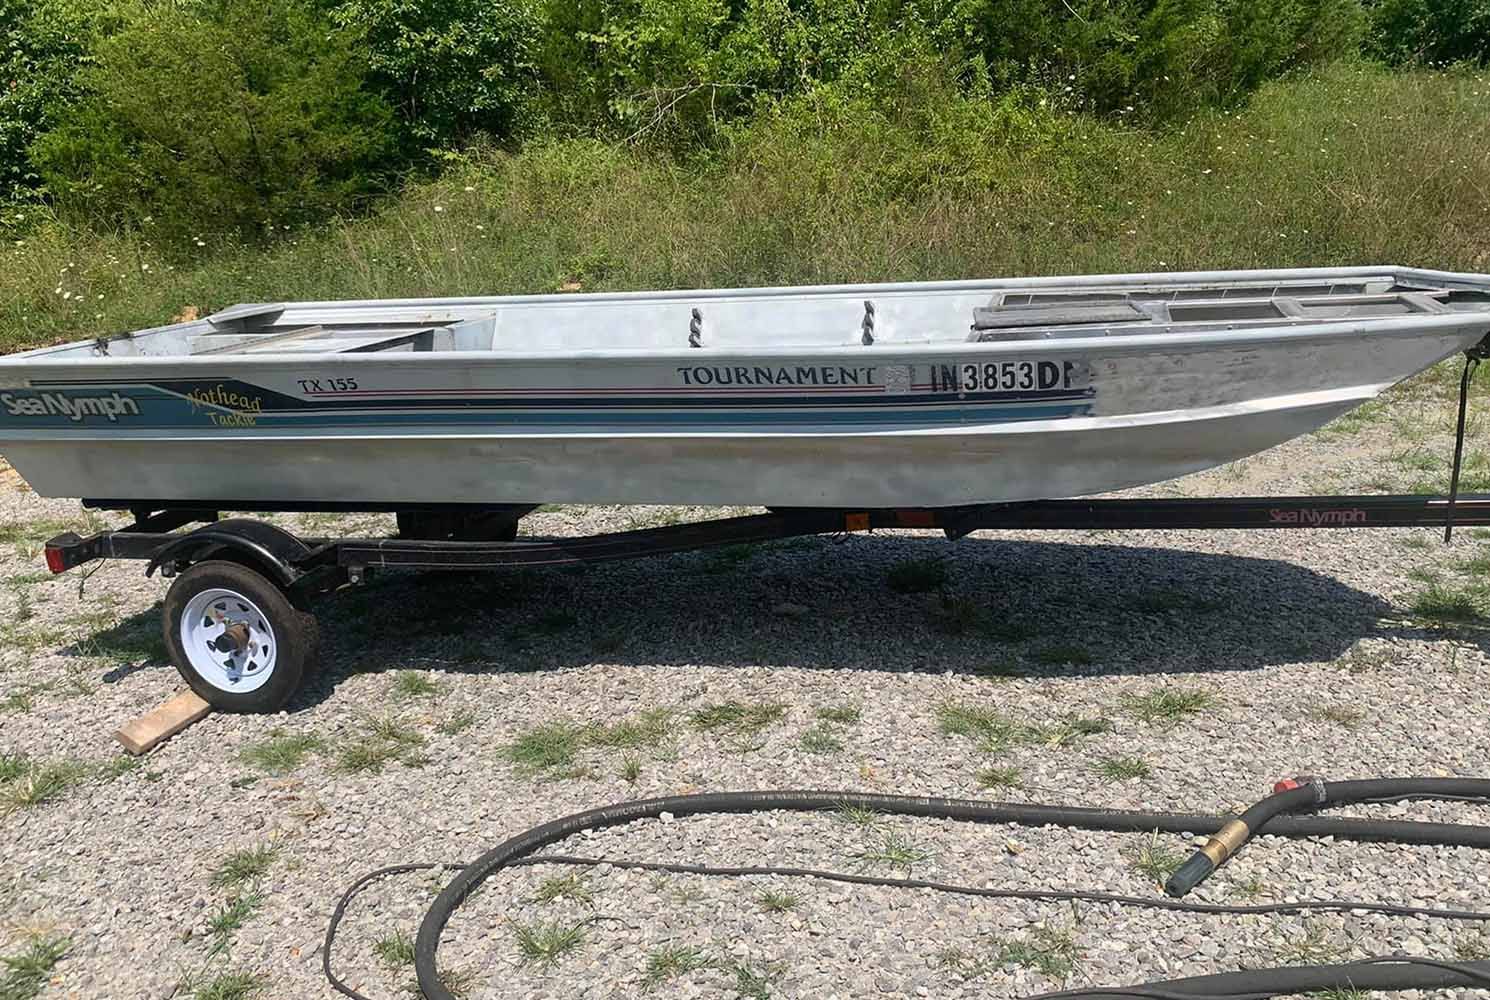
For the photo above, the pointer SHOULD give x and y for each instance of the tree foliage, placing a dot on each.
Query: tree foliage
(225, 115)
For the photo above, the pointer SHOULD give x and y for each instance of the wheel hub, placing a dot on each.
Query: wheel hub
(228, 640)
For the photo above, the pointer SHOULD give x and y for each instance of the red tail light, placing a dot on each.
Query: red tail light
(55, 561)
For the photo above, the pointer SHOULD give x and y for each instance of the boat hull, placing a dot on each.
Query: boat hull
(938, 468)
(900, 417)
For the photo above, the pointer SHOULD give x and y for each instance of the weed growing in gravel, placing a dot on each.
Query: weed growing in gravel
(1313, 947)
(1341, 993)
(245, 866)
(993, 730)
(844, 715)
(820, 739)
(552, 748)
(670, 961)
(546, 943)
(631, 768)
(281, 752)
(1050, 951)
(752, 984)
(395, 950)
(231, 986)
(40, 784)
(894, 850)
(385, 740)
(999, 777)
(1155, 860)
(773, 901)
(13, 766)
(410, 684)
(556, 887)
(737, 718)
(1345, 716)
(857, 816)
(1477, 564)
(1073, 727)
(917, 576)
(1062, 654)
(1168, 704)
(650, 729)
(27, 973)
(234, 913)
(1249, 888)
(457, 723)
(1122, 768)
(1445, 605)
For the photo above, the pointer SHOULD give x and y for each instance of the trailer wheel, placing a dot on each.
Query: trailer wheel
(235, 637)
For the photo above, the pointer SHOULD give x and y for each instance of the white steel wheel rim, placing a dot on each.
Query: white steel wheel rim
(214, 654)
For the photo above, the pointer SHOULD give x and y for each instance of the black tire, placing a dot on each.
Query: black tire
(294, 632)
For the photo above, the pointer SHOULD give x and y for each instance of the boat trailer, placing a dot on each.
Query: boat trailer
(237, 616)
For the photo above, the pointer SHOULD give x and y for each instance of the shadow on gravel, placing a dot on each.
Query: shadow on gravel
(885, 603)
(981, 606)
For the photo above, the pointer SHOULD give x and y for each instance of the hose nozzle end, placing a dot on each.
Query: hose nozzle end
(1190, 874)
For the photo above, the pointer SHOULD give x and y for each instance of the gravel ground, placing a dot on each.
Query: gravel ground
(1304, 644)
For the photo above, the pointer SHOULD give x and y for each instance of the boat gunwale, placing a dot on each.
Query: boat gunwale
(884, 351)
(54, 354)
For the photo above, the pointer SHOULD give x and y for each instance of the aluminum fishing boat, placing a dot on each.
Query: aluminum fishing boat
(891, 395)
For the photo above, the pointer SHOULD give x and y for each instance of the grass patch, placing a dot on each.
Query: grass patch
(457, 723)
(1169, 704)
(917, 576)
(27, 972)
(843, 715)
(281, 752)
(13, 766)
(1313, 947)
(231, 986)
(233, 915)
(1122, 768)
(999, 777)
(546, 943)
(1048, 951)
(858, 816)
(894, 850)
(553, 748)
(992, 730)
(1441, 604)
(737, 718)
(557, 887)
(773, 901)
(382, 742)
(751, 983)
(631, 768)
(670, 961)
(395, 950)
(411, 684)
(41, 783)
(821, 739)
(1155, 860)
(242, 867)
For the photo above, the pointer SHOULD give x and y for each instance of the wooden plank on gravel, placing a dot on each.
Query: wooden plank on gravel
(162, 722)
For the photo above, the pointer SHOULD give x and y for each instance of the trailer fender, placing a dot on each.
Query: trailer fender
(270, 549)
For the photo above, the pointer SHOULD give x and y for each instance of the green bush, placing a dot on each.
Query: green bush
(650, 65)
(43, 44)
(1430, 31)
(228, 115)
(450, 68)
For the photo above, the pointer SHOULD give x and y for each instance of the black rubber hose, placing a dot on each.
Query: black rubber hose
(1306, 795)
(1395, 972)
(427, 941)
